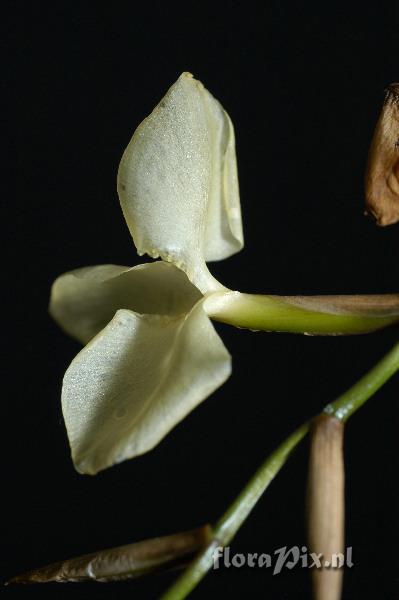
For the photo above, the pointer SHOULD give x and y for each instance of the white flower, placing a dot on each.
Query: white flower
(152, 353)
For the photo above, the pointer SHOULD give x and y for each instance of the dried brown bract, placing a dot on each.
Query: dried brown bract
(382, 175)
(326, 505)
(124, 562)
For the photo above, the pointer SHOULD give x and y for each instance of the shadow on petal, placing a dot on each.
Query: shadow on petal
(85, 300)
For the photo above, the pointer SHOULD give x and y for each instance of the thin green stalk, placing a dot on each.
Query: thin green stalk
(347, 404)
(226, 528)
(234, 517)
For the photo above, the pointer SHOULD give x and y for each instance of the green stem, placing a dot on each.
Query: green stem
(347, 404)
(226, 528)
(234, 517)
(312, 315)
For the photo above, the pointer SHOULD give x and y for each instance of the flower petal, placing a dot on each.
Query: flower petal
(178, 183)
(135, 381)
(85, 300)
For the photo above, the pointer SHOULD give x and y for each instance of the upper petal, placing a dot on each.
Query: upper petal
(83, 301)
(178, 184)
(135, 381)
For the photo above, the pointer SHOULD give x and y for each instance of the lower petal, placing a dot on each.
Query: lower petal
(135, 381)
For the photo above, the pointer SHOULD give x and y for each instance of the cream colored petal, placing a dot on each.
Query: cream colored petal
(178, 184)
(135, 381)
(83, 301)
(223, 232)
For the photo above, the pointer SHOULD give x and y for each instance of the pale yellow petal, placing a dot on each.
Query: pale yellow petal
(85, 300)
(135, 381)
(223, 231)
(178, 184)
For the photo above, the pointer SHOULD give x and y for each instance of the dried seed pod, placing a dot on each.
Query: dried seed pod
(124, 562)
(382, 174)
(326, 506)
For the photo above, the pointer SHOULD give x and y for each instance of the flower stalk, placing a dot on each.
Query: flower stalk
(224, 531)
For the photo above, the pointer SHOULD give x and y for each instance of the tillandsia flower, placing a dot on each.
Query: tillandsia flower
(152, 353)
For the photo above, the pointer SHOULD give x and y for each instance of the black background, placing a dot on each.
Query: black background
(303, 86)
